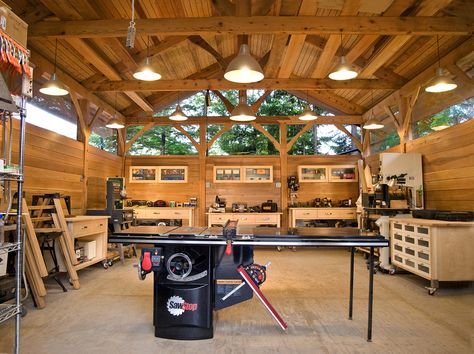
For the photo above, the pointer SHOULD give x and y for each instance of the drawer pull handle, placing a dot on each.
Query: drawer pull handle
(85, 227)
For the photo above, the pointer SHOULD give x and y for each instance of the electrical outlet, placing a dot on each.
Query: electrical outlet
(27, 85)
(278, 184)
(208, 184)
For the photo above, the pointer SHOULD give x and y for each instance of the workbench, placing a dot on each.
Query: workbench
(342, 213)
(203, 289)
(165, 213)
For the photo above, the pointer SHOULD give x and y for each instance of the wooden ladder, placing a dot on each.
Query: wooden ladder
(46, 219)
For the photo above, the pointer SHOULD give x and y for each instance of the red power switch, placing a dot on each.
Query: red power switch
(146, 262)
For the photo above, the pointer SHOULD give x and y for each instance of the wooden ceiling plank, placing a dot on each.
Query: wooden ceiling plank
(426, 8)
(162, 46)
(267, 84)
(303, 25)
(262, 7)
(326, 59)
(223, 7)
(296, 43)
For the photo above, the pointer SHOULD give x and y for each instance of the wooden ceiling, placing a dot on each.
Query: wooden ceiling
(297, 42)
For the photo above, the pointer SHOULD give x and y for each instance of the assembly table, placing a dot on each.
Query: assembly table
(170, 244)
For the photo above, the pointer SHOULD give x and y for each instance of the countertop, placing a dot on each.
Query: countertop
(430, 222)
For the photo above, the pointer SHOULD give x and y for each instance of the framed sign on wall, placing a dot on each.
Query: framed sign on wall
(173, 174)
(143, 174)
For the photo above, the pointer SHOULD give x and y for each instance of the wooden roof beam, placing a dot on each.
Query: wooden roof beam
(304, 25)
(349, 119)
(267, 84)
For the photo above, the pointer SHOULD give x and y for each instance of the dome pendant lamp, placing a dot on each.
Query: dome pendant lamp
(441, 82)
(343, 71)
(54, 87)
(145, 71)
(115, 123)
(372, 123)
(178, 114)
(307, 114)
(242, 112)
(244, 68)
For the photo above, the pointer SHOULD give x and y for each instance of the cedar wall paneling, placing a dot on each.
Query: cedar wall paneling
(54, 163)
(334, 190)
(448, 167)
(250, 193)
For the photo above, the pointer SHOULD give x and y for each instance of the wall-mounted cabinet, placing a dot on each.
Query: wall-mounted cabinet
(158, 174)
(243, 174)
(258, 174)
(335, 173)
(312, 174)
(345, 173)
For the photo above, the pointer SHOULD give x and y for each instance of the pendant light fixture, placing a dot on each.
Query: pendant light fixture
(440, 127)
(244, 68)
(307, 114)
(441, 82)
(145, 71)
(372, 123)
(54, 87)
(115, 123)
(242, 112)
(343, 70)
(178, 114)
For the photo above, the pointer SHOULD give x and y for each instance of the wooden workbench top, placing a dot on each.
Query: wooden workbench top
(430, 222)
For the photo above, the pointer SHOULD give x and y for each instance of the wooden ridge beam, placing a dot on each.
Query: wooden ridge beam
(395, 26)
(349, 119)
(266, 84)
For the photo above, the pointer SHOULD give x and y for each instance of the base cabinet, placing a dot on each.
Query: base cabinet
(435, 250)
(296, 214)
(186, 214)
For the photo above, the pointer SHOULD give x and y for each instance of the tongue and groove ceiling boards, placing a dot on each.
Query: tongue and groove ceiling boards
(390, 42)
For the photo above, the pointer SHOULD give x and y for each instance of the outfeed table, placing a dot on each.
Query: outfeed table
(198, 270)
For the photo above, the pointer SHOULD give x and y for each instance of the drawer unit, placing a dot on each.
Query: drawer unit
(90, 230)
(435, 250)
(245, 218)
(88, 227)
(165, 213)
(321, 214)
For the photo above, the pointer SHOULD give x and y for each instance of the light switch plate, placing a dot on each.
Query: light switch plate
(278, 184)
(208, 184)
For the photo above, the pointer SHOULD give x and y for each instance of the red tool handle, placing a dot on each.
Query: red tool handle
(228, 249)
(146, 262)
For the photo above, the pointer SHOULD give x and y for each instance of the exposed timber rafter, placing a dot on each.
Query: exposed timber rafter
(258, 24)
(266, 84)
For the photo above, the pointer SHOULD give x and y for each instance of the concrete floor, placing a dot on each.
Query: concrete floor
(112, 313)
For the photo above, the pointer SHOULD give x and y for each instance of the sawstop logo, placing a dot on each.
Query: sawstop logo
(176, 306)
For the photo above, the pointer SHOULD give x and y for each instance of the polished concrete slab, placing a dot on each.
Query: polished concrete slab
(112, 313)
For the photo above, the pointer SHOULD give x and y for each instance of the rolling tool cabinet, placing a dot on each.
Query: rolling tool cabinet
(435, 250)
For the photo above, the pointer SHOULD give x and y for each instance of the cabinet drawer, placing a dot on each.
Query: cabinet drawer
(218, 219)
(423, 268)
(166, 214)
(266, 219)
(88, 227)
(397, 226)
(397, 258)
(246, 219)
(397, 236)
(409, 239)
(397, 247)
(410, 251)
(140, 213)
(423, 231)
(423, 255)
(336, 214)
(306, 214)
(423, 243)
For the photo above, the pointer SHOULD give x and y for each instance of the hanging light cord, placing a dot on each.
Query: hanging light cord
(437, 47)
(55, 55)
(133, 11)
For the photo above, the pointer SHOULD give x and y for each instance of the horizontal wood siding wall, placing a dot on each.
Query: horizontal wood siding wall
(448, 167)
(54, 163)
(250, 193)
(336, 191)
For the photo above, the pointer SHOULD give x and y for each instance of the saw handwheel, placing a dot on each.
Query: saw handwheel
(179, 265)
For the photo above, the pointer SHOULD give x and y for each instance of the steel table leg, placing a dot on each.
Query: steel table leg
(351, 286)
(371, 294)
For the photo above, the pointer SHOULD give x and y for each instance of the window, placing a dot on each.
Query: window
(456, 114)
(46, 120)
(104, 138)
